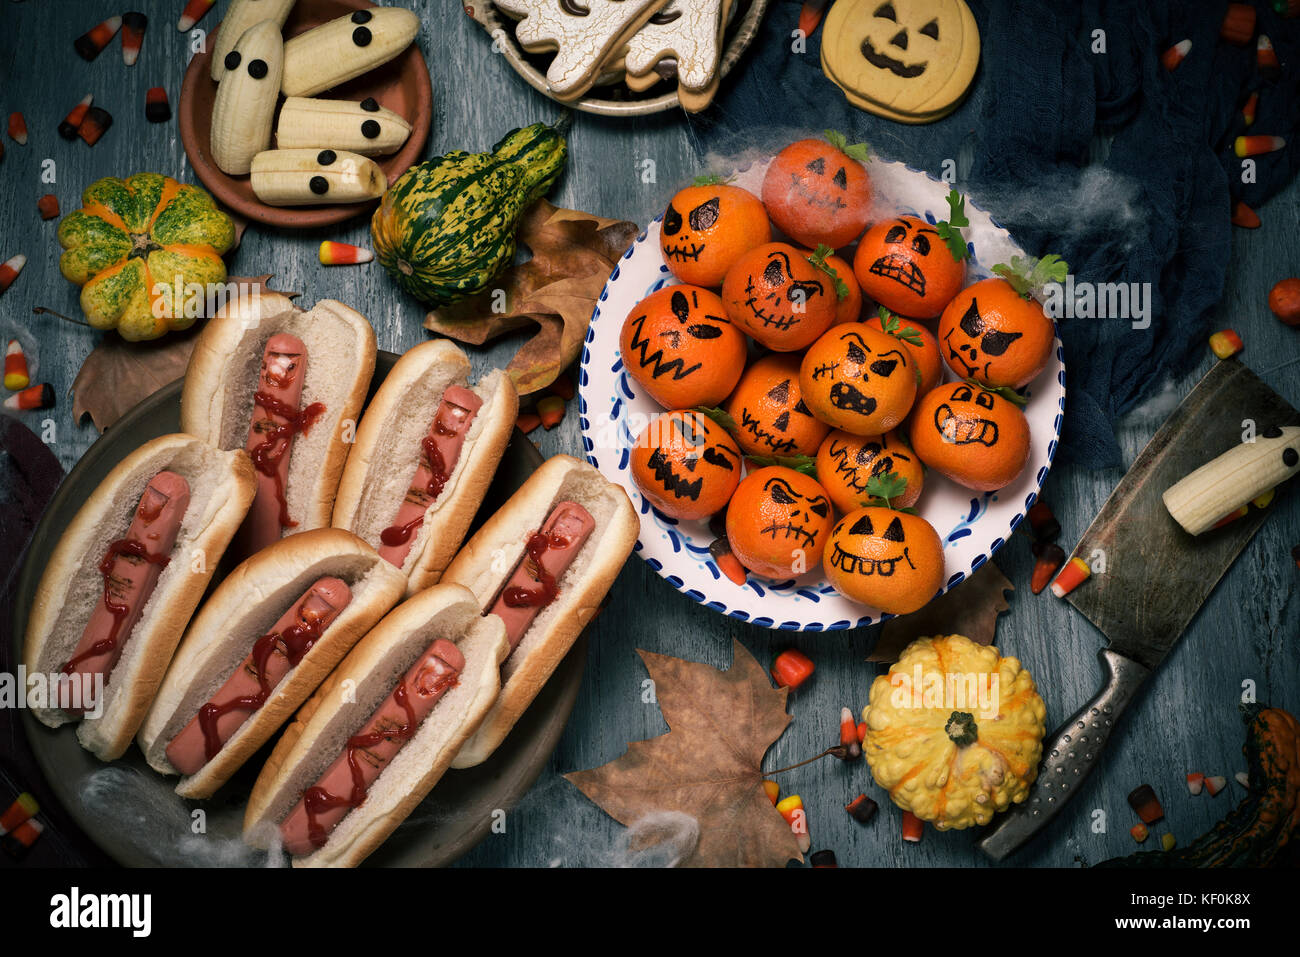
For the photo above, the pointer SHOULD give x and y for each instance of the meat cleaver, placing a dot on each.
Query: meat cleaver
(1157, 576)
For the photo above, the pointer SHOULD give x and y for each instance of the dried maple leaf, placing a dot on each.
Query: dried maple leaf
(573, 254)
(970, 609)
(721, 723)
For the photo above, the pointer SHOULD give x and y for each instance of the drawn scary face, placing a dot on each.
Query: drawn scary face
(858, 379)
(884, 558)
(960, 422)
(816, 193)
(778, 521)
(973, 436)
(679, 345)
(971, 347)
(686, 465)
(687, 237)
(706, 228)
(769, 409)
(793, 515)
(779, 297)
(996, 336)
(855, 562)
(904, 265)
(846, 464)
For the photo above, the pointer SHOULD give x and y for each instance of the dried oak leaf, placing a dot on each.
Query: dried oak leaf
(721, 723)
(573, 254)
(970, 609)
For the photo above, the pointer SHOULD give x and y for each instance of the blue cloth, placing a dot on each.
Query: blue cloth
(1152, 207)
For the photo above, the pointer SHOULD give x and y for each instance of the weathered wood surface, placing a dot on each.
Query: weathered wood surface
(1184, 720)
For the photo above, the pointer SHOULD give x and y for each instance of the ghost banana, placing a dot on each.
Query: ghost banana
(245, 106)
(242, 15)
(366, 127)
(310, 177)
(341, 49)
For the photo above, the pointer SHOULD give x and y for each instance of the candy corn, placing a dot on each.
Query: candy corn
(48, 205)
(1215, 784)
(792, 668)
(1284, 301)
(810, 17)
(343, 254)
(728, 563)
(862, 809)
(156, 107)
(1244, 216)
(1143, 800)
(18, 128)
(1225, 343)
(193, 13)
(823, 859)
(913, 828)
(791, 809)
(1195, 782)
(1266, 58)
(527, 421)
(24, 807)
(10, 269)
(1048, 559)
(1238, 24)
(16, 374)
(851, 748)
(33, 397)
(1139, 832)
(1175, 54)
(1264, 499)
(1245, 146)
(1248, 111)
(92, 42)
(95, 125)
(1075, 573)
(551, 409)
(1242, 778)
(1167, 842)
(1042, 522)
(1231, 517)
(18, 843)
(862, 731)
(772, 790)
(68, 128)
(133, 27)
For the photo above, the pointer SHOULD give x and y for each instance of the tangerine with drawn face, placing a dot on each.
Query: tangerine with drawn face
(884, 558)
(847, 463)
(778, 521)
(973, 436)
(848, 309)
(769, 410)
(816, 193)
(902, 264)
(686, 465)
(994, 335)
(926, 354)
(680, 347)
(858, 379)
(779, 297)
(707, 228)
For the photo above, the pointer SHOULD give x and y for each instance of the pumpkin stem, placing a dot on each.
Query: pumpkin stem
(961, 729)
(838, 751)
(141, 246)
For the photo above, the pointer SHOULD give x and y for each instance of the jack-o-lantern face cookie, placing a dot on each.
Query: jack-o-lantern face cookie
(973, 436)
(779, 297)
(904, 265)
(686, 465)
(846, 465)
(770, 414)
(778, 521)
(707, 228)
(859, 380)
(679, 345)
(994, 335)
(817, 193)
(903, 59)
(887, 559)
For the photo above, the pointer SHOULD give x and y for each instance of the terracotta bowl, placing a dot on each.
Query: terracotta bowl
(402, 85)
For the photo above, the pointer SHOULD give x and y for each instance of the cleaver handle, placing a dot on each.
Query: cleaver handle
(1068, 757)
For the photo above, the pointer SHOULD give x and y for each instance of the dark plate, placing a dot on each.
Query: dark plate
(134, 815)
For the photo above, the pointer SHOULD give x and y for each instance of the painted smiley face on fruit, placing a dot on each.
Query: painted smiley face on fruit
(779, 297)
(859, 380)
(996, 336)
(973, 436)
(686, 465)
(770, 413)
(887, 559)
(707, 228)
(778, 521)
(905, 265)
(680, 347)
(846, 464)
(818, 191)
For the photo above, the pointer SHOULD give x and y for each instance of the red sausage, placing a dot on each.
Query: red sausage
(441, 449)
(130, 569)
(345, 783)
(276, 420)
(535, 581)
(251, 685)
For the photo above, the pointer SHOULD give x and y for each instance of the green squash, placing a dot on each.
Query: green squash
(446, 229)
(135, 243)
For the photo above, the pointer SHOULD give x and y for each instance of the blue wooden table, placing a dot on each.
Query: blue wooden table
(1185, 720)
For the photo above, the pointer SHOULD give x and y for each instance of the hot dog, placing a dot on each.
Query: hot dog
(287, 386)
(351, 767)
(268, 635)
(124, 579)
(542, 564)
(423, 458)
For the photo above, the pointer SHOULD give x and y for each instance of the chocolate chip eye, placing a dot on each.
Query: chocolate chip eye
(930, 30)
(362, 16)
(232, 60)
(326, 157)
(921, 244)
(896, 234)
(319, 185)
(886, 12)
(361, 37)
(370, 129)
(258, 69)
(369, 105)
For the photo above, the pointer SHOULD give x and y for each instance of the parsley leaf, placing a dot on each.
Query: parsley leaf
(948, 229)
(818, 259)
(720, 416)
(1029, 276)
(858, 151)
(804, 464)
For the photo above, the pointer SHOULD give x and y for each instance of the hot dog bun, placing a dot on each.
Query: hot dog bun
(320, 730)
(387, 452)
(217, 399)
(221, 488)
(487, 560)
(243, 608)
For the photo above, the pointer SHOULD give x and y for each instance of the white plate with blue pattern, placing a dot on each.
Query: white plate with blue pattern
(614, 409)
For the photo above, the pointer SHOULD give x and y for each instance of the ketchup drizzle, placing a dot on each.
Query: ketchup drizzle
(266, 457)
(538, 545)
(439, 473)
(119, 610)
(396, 535)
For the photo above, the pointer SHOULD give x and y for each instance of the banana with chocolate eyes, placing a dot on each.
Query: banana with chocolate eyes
(242, 15)
(366, 127)
(341, 49)
(310, 177)
(246, 98)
